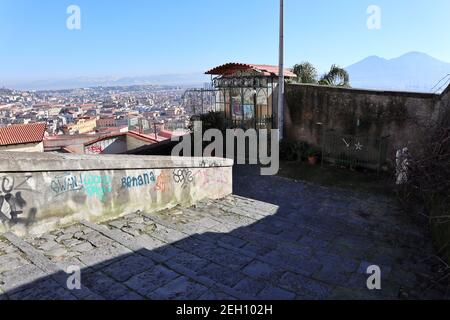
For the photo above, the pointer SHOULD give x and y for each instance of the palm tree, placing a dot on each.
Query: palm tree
(336, 77)
(306, 73)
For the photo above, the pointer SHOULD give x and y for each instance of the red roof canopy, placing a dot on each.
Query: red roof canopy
(21, 134)
(266, 70)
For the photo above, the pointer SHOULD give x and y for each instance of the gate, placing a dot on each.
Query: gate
(354, 150)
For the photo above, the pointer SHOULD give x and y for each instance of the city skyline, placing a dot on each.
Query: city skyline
(173, 37)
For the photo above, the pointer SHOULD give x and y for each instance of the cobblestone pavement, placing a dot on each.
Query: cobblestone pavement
(296, 241)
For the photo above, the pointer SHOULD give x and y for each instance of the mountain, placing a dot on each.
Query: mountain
(190, 80)
(414, 71)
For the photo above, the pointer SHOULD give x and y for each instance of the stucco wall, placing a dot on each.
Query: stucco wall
(133, 143)
(115, 145)
(311, 109)
(53, 190)
(27, 147)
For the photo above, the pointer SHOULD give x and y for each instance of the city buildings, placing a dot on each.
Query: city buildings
(77, 120)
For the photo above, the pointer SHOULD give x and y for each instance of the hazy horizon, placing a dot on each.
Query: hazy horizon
(357, 71)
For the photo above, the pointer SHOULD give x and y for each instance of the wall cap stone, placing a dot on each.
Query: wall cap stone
(38, 162)
(371, 91)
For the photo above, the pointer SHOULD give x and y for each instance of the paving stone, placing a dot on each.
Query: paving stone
(249, 286)
(74, 229)
(56, 252)
(149, 242)
(305, 287)
(314, 243)
(261, 270)
(233, 241)
(100, 257)
(104, 285)
(79, 235)
(131, 231)
(63, 237)
(302, 265)
(227, 258)
(82, 247)
(221, 274)
(6, 248)
(49, 245)
(295, 249)
(214, 295)
(14, 279)
(131, 296)
(97, 239)
(256, 249)
(181, 288)
(190, 261)
(167, 235)
(148, 281)
(119, 224)
(11, 261)
(333, 276)
(71, 242)
(128, 267)
(168, 251)
(275, 293)
(339, 263)
(46, 289)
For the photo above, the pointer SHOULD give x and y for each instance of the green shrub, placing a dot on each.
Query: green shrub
(211, 120)
(293, 150)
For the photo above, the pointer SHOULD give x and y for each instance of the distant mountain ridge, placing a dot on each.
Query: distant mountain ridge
(413, 71)
(191, 80)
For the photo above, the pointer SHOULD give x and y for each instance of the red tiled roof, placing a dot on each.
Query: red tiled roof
(267, 70)
(142, 137)
(21, 134)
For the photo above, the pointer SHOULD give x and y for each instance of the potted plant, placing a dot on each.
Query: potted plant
(313, 156)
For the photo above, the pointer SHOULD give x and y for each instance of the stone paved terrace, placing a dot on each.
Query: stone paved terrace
(295, 241)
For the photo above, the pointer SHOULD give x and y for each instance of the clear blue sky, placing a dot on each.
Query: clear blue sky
(147, 37)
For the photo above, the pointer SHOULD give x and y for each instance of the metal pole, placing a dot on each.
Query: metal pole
(281, 74)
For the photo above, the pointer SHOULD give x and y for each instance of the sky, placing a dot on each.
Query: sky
(150, 37)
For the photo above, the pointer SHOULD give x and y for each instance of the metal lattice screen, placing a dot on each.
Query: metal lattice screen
(354, 151)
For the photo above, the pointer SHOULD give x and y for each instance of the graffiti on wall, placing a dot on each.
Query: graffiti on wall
(183, 177)
(94, 185)
(141, 180)
(97, 185)
(12, 202)
(95, 149)
(211, 177)
(163, 181)
(66, 183)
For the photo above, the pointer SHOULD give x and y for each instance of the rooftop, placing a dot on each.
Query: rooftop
(265, 70)
(22, 134)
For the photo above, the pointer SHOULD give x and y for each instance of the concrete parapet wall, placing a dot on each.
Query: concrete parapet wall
(40, 191)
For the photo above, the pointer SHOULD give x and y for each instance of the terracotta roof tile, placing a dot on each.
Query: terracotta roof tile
(267, 70)
(21, 134)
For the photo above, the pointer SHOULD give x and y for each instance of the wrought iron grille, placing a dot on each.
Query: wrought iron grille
(354, 151)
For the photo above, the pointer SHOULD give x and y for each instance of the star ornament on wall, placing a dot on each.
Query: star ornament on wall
(359, 146)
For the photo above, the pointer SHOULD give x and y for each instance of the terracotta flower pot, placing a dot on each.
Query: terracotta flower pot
(313, 160)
